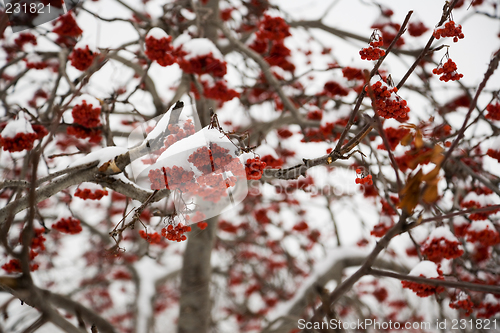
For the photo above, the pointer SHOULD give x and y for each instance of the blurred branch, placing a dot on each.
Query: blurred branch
(148, 82)
(306, 295)
(317, 24)
(435, 282)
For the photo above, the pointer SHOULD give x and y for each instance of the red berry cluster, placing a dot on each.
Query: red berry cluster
(324, 132)
(261, 216)
(494, 154)
(86, 115)
(22, 141)
(122, 275)
(210, 160)
(450, 29)
(254, 168)
(387, 103)
(177, 133)
(442, 248)
(394, 137)
(225, 14)
(462, 302)
(37, 242)
(315, 115)
(460, 101)
(382, 227)
(352, 73)
(414, 157)
(25, 38)
(271, 161)
(39, 93)
(373, 52)
(88, 194)
(81, 59)
(202, 225)
(212, 187)
(278, 56)
(333, 88)
(175, 233)
(14, 265)
(19, 142)
(448, 71)
(227, 227)
(160, 50)
(488, 309)
(493, 111)
(417, 29)
(365, 179)
(171, 178)
(204, 64)
(38, 65)
(40, 131)
(301, 226)
(387, 209)
(423, 290)
(273, 28)
(67, 29)
(486, 236)
(87, 119)
(272, 31)
(93, 134)
(285, 133)
(153, 238)
(68, 225)
(441, 131)
(220, 92)
(478, 216)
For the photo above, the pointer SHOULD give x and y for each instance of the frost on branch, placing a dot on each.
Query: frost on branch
(100, 156)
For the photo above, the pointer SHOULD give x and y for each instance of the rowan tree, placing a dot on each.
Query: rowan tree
(240, 165)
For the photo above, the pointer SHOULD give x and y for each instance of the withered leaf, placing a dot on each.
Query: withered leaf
(411, 192)
(419, 142)
(431, 193)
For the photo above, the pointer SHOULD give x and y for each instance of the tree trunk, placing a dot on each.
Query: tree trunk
(195, 301)
(195, 304)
